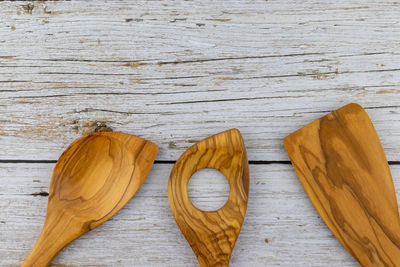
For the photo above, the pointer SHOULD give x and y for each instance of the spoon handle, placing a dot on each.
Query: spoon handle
(52, 239)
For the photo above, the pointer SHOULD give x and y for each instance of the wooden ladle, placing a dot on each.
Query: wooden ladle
(93, 179)
(343, 168)
(212, 235)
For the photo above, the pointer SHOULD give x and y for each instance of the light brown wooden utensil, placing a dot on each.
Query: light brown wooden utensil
(212, 235)
(93, 179)
(342, 166)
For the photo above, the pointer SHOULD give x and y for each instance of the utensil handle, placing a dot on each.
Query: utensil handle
(42, 254)
(52, 240)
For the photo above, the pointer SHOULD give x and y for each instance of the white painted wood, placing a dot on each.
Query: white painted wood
(175, 72)
(144, 232)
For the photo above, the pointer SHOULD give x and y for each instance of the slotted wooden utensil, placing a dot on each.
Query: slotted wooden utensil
(343, 169)
(212, 235)
(93, 179)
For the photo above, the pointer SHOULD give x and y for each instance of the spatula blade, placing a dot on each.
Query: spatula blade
(342, 166)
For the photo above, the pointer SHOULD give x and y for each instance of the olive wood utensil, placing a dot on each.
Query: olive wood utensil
(343, 169)
(93, 179)
(212, 235)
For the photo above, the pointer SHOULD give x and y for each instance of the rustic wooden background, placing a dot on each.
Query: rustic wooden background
(175, 72)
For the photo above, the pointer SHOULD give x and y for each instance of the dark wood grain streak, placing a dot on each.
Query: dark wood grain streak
(93, 179)
(343, 168)
(212, 235)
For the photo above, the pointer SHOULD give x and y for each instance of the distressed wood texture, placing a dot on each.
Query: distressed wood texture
(212, 234)
(342, 167)
(264, 67)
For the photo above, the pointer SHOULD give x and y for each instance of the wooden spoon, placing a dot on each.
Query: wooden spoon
(342, 166)
(212, 235)
(93, 179)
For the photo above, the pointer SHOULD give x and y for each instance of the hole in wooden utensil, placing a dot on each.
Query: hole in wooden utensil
(208, 189)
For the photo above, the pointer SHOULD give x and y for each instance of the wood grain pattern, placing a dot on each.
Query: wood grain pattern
(342, 166)
(93, 179)
(212, 235)
(264, 67)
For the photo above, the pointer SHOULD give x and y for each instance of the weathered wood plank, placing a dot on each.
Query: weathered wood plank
(281, 226)
(175, 72)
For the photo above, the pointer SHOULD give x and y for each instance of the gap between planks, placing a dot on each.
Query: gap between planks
(251, 162)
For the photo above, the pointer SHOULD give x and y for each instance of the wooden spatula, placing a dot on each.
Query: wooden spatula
(212, 235)
(93, 179)
(342, 167)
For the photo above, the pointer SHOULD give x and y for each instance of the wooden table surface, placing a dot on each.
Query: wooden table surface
(175, 72)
